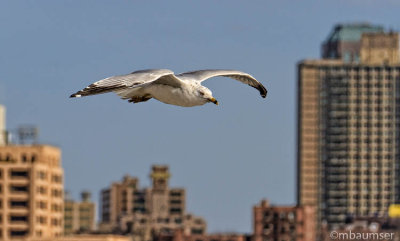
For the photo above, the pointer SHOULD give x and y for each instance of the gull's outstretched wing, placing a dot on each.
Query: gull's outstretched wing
(121, 82)
(201, 75)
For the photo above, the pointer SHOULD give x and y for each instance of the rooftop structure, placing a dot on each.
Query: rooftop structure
(344, 42)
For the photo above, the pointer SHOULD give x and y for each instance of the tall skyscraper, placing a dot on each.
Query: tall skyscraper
(349, 125)
(143, 212)
(31, 192)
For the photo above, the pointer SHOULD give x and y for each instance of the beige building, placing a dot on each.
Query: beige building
(129, 209)
(283, 222)
(378, 49)
(79, 216)
(31, 192)
(349, 130)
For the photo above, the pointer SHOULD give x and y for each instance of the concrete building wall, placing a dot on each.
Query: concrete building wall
(31, 182)
(283, 222)
(79, 216)
(380, 48)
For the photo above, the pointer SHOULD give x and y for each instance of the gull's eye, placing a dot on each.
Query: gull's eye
(201, 93)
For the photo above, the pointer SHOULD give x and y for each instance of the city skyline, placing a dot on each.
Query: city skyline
(51, 53)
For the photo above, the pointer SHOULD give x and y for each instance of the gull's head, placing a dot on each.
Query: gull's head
(206, 94)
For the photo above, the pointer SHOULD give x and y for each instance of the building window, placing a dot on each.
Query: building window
(56, 193)
(197, 231)
(42, 175)
(41, 219)
(18, 233)
(24, 158)
(175, 210)
(56, 207)
(42, 204)
(19, 174)
(56, 179)
(42, 190)
(55, 222)
(176, 194)
(175, 201)
(16, 218)
(17, 204)
(15, 188)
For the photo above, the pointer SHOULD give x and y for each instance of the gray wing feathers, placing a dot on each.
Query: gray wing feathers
(169, 79)
(121, 82)
(245, 78)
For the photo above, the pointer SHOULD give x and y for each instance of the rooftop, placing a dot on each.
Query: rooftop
(352, 31)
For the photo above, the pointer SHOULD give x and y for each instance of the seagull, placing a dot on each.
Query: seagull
(183, 89)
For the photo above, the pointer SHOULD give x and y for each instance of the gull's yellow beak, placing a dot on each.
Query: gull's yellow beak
(213, 100)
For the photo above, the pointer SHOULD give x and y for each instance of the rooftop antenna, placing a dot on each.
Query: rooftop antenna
(27, 134)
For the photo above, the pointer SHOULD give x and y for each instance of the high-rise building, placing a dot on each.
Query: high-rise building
(79, 217)
(31, 192)
(3, 134)
(283, 222)
(143, 212)
(349, 129)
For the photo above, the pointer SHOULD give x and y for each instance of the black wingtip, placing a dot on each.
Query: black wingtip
(72, 96)
(263, 91)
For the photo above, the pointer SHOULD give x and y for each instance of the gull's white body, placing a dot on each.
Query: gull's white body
(161, 84)
(184, 96)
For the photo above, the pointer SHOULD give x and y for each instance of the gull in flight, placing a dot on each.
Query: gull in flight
(184, 89)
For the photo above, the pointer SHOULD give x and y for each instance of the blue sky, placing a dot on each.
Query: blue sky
(228, 157)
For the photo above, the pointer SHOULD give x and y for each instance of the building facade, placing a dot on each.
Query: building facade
(349, 131)
(143, 212)
(31, 192)
(272, 223)
(79, 217)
